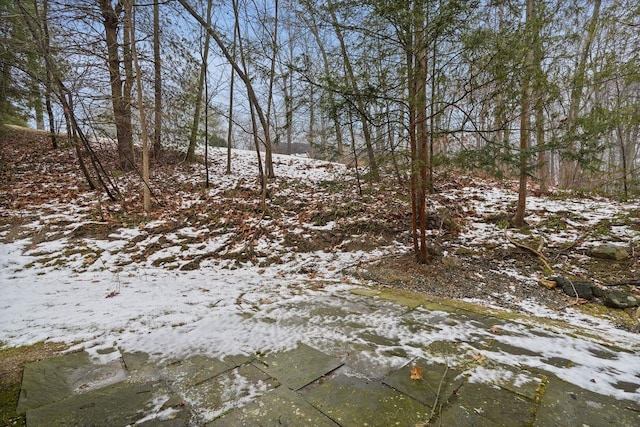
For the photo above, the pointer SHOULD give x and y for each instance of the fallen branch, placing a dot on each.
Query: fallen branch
(537, 252)
(435, 402)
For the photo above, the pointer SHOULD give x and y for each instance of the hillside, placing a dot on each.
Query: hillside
(77, 267)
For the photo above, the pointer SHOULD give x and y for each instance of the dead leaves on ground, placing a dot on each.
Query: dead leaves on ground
(479, 358)
(416, 373)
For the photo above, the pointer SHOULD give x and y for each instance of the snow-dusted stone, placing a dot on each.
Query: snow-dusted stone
(610, 251)
(617, 298)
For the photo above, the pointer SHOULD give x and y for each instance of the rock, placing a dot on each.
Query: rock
(610, 251)
(617, 298)
(580, 288)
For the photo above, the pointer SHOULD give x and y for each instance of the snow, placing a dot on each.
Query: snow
(92, 294)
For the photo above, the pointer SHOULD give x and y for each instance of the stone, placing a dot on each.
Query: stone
(299, 367)
(610, 251)
(278, 407)
(225, 391)
(563, 404)
(617, 298)
(354, 401)
(580, 288)
(436, 385)
(116, 405)
(55, 379)
(479, 404)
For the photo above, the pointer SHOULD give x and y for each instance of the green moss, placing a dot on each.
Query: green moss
(12, 362)
(9, 394)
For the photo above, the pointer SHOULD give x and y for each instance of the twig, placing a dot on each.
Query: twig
(435, 402)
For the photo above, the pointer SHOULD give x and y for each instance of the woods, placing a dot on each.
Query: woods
(547, 93)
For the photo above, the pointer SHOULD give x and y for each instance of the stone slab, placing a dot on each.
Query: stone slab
(460, 416)
(279, 407)
(353, 401)
(488, 404)
(196, 369)
(516, 380)
(222, 393)
(120, 404)
(55, 379)
(436, 385)
(298, 367)
(566, 404)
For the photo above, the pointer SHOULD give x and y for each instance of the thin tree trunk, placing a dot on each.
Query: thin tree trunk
(571, 167)
(373, 165)
(253, 98)
(543, 163)
(422, 136)
(191, 156)
(525, 120)
(236, 27)
(36, 102)
(268, 158)
(47, 93)
(254, 109)
(411, 96)
(73, 137)
(130, 28)
(333, 109)
(157, 82)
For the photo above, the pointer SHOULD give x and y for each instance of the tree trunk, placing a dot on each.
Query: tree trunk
(119, 99)
(571, 167)
(525, 119)
(36, 102)
(268, 157)
(232, 87)
(130, 28)
(253, 98)
(373, 165)
(420, 165)
(190, 157)
(47, 93)
(157, 82)
(333, 109)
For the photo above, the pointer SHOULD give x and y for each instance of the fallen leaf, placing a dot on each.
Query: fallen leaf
(549, 284)
(479, 357)
(416, 373)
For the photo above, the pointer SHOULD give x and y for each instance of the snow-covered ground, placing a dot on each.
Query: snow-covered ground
(127, 289)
